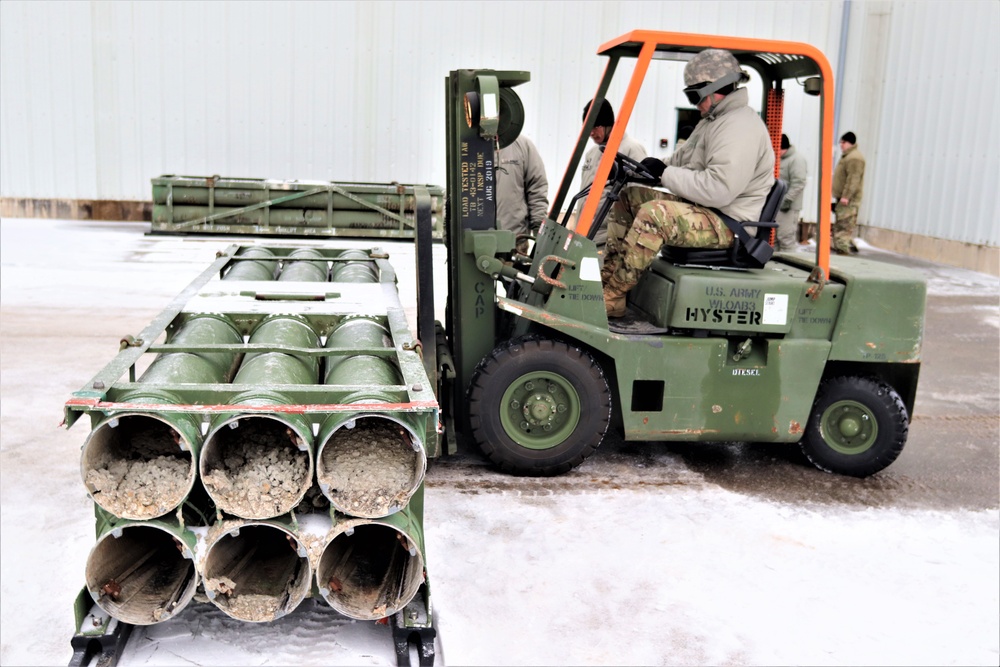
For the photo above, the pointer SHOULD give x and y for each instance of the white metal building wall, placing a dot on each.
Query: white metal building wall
(98, 97)
(926, 113)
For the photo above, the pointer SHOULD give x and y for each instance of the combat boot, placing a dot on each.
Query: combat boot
(614, 295)
(614, 301)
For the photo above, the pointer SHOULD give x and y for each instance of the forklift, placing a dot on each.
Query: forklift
(744, 344)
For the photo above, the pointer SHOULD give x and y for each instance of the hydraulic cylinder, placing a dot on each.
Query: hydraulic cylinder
(256, 571)
(144, 572)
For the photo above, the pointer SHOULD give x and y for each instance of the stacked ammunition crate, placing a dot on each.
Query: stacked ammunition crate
(212, 204)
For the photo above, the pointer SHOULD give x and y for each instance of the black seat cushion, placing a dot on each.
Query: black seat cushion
(746, 252)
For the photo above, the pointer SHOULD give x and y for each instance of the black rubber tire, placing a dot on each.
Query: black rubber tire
(869, 398)
(497, 372)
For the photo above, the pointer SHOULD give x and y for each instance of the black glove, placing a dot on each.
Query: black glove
(654, 166)
(786, 205)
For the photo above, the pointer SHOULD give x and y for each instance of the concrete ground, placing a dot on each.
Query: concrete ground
(72, 290)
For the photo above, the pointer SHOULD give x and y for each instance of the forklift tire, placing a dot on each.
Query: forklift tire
(858, 426)
(538, 407)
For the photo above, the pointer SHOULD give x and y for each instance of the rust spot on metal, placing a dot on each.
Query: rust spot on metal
(871, 345)
(335, 585)
(112, 589)
(795, 428)
(645, 420)
(716, 409)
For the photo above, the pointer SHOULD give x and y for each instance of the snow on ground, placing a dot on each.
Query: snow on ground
(684, 573)
(708, 577)
(688, 576)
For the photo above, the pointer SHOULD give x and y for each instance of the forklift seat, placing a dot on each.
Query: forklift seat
(746, 252)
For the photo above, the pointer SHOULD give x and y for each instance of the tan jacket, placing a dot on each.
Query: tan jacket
(727, 163)
(849, 176)
(795, 173)
(629, 148)
(522, 188)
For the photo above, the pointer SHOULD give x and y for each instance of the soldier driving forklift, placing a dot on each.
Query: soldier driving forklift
(726, 341)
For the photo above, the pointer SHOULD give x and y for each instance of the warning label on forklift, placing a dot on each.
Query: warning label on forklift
(478, 208)
(775, 309)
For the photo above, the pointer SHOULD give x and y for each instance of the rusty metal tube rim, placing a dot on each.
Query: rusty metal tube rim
(369, 464)
(256, 571)
(140, 465)
(278, 460)
(142, 573)
(370, 570)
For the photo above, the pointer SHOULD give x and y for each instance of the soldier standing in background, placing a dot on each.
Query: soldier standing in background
(629, 147)
(848, 180)
(522, 190)
(795, 173)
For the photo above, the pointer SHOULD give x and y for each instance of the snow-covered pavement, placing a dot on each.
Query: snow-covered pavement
(669, 568)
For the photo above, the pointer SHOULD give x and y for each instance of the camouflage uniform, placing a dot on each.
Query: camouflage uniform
(643, 220)
(727, 164)
(848, 183)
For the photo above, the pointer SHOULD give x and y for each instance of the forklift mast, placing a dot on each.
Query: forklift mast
(483, 114)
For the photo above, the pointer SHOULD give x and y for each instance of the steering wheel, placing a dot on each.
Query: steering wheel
(636, 172)
(631, 171)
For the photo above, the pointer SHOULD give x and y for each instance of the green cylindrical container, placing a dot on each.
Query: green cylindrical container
(144, 572)
(258, 465)
(356, 332)
(264, 269)
(196, 367)
(141, 463)
(369, 464)
(257, 571)
(274, 368)
(360, 268)
(304, 271)
(371, 569)
(363, 369)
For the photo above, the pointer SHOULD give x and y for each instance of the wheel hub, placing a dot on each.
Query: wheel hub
(849, 427)
(540, 409)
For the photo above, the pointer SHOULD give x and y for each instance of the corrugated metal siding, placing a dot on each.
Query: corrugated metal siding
(928, 123)
(98, 97)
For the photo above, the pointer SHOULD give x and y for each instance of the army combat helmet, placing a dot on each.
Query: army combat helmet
(709, 72)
